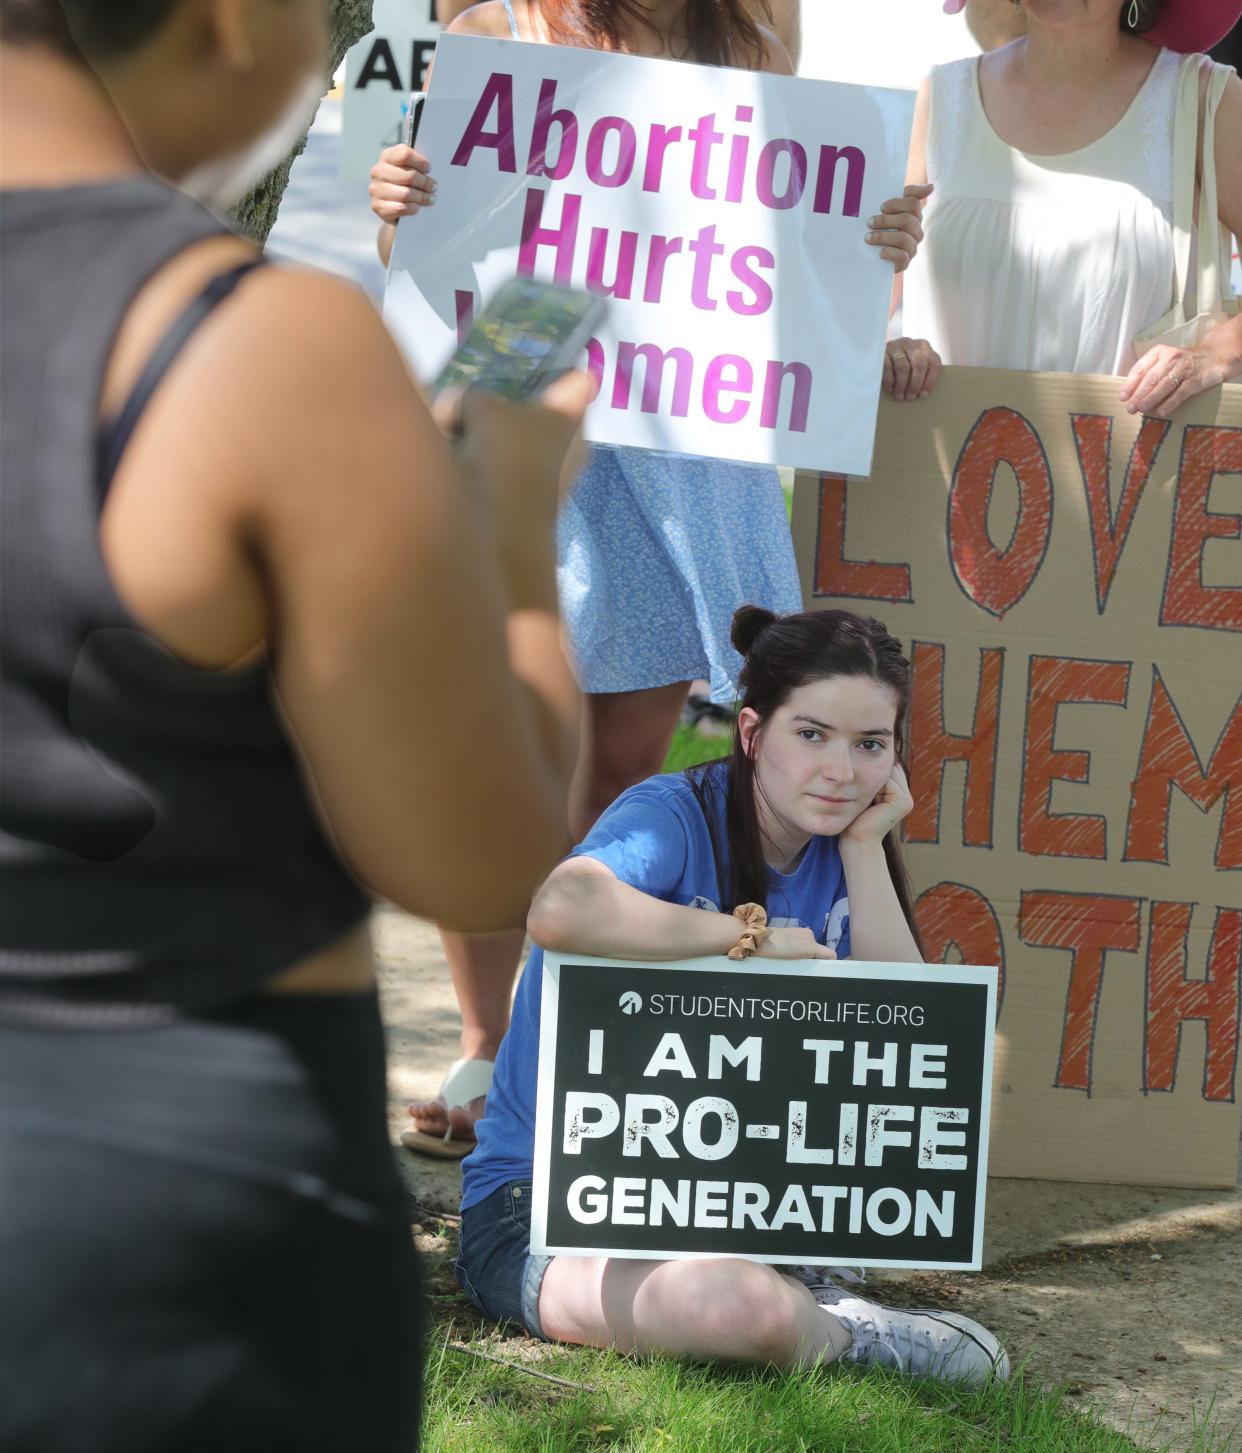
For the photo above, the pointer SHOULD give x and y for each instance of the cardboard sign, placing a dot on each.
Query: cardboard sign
(1068, 580)
(724, 213)
(784, 1112)
(380, 72)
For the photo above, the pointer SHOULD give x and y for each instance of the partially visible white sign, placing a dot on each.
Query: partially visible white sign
(724, 213)
(884, 42)
(380, 72)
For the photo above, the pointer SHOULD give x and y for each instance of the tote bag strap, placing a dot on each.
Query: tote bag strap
(1190, 164)
(1214, 288)
(1185, 144)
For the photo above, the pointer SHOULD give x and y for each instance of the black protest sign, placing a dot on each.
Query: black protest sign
(788, 1112)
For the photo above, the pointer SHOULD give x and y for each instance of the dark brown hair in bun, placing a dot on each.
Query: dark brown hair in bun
(749, 621)
(780, 654)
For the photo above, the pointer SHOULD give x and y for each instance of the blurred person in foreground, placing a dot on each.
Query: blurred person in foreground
(254, 620)
(1051, 231)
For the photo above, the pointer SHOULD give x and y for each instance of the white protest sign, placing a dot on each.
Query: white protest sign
(380, 72)
(723, 212)
(802, 1111)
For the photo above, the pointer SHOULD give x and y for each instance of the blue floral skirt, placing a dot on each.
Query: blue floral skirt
(656, 552)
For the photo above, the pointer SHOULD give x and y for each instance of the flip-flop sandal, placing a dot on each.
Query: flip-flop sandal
(467, 1079)
(706, 716)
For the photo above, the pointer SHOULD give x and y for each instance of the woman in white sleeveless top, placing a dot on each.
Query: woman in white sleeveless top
(1050, 231)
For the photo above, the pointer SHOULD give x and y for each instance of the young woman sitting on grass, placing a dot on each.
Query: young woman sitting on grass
(801, 818)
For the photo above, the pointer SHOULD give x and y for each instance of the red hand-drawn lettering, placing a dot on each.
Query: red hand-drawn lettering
(932, 746)
(1088, 925)
(1172, 998)
(997, 579)
(1093, 439)
(953, 915)
(834, 574)
(1052, 681)
(1168, 759)
(1206, 452)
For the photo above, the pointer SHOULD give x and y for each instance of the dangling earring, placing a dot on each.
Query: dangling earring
(1132, 15)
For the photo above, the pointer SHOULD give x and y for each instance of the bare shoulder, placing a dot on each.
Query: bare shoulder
(1229, 115)
(1228, 153)
(293, 325)
(776, 59)
(487, 18)
(295, 385)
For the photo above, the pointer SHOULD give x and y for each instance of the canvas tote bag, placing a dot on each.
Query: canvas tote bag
(1208, 291)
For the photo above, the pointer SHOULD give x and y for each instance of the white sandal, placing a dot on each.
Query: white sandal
(466, 1080)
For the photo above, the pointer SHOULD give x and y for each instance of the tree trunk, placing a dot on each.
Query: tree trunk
(255, 215)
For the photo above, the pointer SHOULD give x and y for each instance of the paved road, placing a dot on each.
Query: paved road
(323, 220)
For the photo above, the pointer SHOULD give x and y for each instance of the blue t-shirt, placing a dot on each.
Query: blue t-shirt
(655, 838)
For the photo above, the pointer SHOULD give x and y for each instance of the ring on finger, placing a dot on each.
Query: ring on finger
(897, 353)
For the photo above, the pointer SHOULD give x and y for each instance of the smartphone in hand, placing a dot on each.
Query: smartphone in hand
(528, 335)
(413, 115)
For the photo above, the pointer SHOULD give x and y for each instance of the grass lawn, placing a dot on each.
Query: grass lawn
(690, 747)
(661, 1406)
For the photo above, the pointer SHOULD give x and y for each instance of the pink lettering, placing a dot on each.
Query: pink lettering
(715, 383)
(567, 144)
(738, 152)
(705, 136)
(761, 289)
(498, 93)
(706, 250)
(661, 249)
(654, 359)
(800, 406)
(855, 171)
(795, 183)
(563, 239)
(622, 284)
(661, 138)
(627, 150)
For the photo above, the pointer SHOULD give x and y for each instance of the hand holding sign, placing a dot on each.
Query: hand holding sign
(401, 184)
(898, 228)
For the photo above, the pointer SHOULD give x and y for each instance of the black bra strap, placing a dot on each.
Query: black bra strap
(115, 435)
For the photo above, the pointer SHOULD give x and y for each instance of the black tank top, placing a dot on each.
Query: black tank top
(158, 847)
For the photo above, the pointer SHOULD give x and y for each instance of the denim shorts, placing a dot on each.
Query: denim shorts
(495, 1266)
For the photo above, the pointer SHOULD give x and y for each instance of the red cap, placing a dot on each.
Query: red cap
(1194, 25)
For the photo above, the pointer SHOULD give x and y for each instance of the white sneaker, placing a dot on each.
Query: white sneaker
(922, 1342)
(812, 1277)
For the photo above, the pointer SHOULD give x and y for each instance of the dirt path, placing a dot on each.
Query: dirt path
(1132, 1296)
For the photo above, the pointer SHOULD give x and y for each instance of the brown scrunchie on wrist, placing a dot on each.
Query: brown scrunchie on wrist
(755, 917)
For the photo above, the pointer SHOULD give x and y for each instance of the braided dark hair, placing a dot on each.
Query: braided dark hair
(781, 653)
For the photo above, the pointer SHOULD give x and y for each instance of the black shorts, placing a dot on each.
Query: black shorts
(204, 1243)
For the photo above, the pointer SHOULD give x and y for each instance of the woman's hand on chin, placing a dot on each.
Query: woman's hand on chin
(891, 805)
